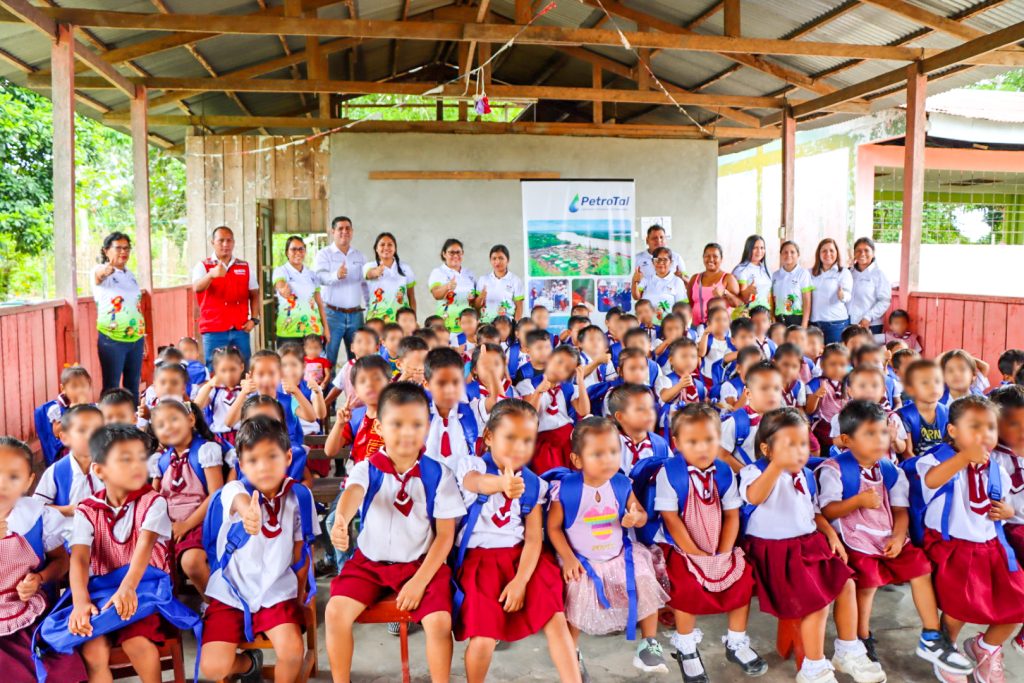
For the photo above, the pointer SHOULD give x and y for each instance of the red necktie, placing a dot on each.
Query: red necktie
(755, 419)
(272, 525)
(980, 503)
(553, 394)
(177, 470)
(403, 501)
(637, 449)
(797, 484)
(112, 517)
(504, 514)
(446, 442)
(703, 482)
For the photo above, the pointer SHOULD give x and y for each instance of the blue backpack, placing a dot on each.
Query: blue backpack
(737, 383)
(514, 354)
(598, 391)
(48, 441)
(430, 474)
(849, 473)
(741, 418)
(918, 506)
(567, 391)
(527, 502)
(238, 537)
(193, 460)
(63, 477)
(911, 418)
(197, 373)
(748, 508)
(570, 495)
(660, 447)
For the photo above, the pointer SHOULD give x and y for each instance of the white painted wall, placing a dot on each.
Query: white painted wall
(981, 269)
(677, 178)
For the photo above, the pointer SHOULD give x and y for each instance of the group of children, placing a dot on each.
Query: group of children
(508, 480)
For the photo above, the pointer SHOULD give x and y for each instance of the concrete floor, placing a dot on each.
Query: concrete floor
(609, 658)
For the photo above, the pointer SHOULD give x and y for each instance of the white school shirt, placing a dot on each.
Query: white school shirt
(666, 500)
(788, 288)
(389, 536)
(594, 377)
(553, 411)
(156, 521)
(479, 405)
(456, 437)
(797, 401)
(350, 292)
(502, 293)
(830, 488)
(745, 273)
(728, 438)
(210, 455)
(663, 292)
(964, 523)
(82, 485)
(727, 390)
(717, 349)
(1014, 491)
(786, 513)
(221, 401)
(24, 515)
(871, 296)
(260, 569)
(826, 306)
(644, 260)
(500, 524)
(645, 450)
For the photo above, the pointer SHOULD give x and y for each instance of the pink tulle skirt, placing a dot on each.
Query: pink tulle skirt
(583, 610)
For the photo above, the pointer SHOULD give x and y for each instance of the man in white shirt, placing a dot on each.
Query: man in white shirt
(644, 260)
(339, 268)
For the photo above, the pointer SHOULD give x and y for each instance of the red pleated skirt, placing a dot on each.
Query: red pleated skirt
(484, 575)
(973, 581)
(873, 571)
(552, 449)
(193, 540)
(688, 595)
(1015, 535)
(795, 576)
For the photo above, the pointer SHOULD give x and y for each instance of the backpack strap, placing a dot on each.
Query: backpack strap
(623, 487)
(62, 479)
(659, 445)
(193, 459)
(307, 524)
(943, 453)
(995, 492)
(652, 372)
(236, 538)
(513, 359)
(741, 420)
(430, 475)
(356, 419)
(911, 417)
(470, 430)
(34, 536)
(48, 441)
(376, 478)
(567, 391)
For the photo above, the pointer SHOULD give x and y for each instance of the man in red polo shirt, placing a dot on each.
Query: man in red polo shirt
(228, 295)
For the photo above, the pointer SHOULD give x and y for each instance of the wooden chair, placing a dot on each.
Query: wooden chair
(385, 612)
(171, 658)
(309, 661)
(789, 642)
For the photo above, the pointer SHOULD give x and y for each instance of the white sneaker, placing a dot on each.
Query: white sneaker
(862, 669)
(823, 676)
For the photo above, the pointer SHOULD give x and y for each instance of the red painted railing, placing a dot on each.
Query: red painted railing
(36, 343)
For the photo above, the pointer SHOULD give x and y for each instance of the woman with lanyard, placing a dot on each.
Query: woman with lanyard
(753, 277)
(872, 293)
(390, 281)
(300, 310)
(453, 286)
(119, 322)
(833, 288)
(712, 283)
(501, 292)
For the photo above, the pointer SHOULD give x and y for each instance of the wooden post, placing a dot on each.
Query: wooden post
(787, 229)
(523, 11)
(598, 82)
(464, 67)
(731, 18)
(643, 76)
(913, 182)
(143, 242)
(62, 64)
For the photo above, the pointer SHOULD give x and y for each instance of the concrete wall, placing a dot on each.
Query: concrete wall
(676, 178)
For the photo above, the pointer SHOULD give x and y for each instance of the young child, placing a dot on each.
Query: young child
(963, 376)
(899, 328)
(827, 394)
(560, 402)
(763, 394)
(117, 405)
(900, 361)
(854, 337)
(637, 338)
(923, 417)
(408, 506)
(32, 547)
(75, 388)
(633, 369)
(169, 381)
(597, 565)
(789, 361)
(681, 383)
(762, 320)
(518, 351)
(465, 341)
(697, 499)
(866, 498)
(646, 314)
(406, 319)
(506, 331)
(872, 355)
(261, 581)
(317, 368)
(70, 480)
(594, 356)
(453, 426)
(186, 472)
(633, 409)
(192, 359)
(777, 333)
(412, 359)
(799, 561)
(729, 394)
(867, 383)
(119, 561)
(814, 348)
(389, 338)
(365, 342)
(259, 404)
(489, 383)
(977, 577)
(357, 424)
(741, 335)
(217, 397)
(672, 329)
(1010, 362)
(715, 342)
(292, 369)
(512, 586)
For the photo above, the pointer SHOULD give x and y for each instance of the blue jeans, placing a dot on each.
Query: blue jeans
(832, 329)
(342, 326)
(217, 340)
(120, 359)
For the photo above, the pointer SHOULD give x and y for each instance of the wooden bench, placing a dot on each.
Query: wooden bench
(386, 612)
(171, 658)
(309, 661)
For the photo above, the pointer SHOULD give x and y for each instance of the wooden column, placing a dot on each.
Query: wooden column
(786, 228)
(913, 182)
(523, 12)
(464, 67)
(643, 76)
(62, 65)
(731, 18)
(598, 82)
(140, 175)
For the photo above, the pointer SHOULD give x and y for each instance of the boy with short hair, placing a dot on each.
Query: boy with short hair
(538, 350)
(70, 480)
(923, 417)
(632, 406)
(594, 355)
(762, 319)
(118, 406)
(364, 343)
(389, 340)
(763, 393)
(406, 319)
(465, 341)
(855, 336)
(453, 428)
(412, 356)
(645, 313)
(198, 373)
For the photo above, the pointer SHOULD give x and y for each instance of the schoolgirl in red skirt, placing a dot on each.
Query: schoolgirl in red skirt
(866, 498)
(798, 559)
(187, 490)
(978, 579)
(31, 554)
(221, 396)
(707, 572)
(512, 587)
(559, 400)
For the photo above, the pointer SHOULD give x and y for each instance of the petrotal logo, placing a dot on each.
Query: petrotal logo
(585, 202)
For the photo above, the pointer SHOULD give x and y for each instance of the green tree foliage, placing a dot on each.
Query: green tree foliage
(1011, 80)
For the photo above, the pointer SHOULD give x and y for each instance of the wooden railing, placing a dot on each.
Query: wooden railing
(36, 342)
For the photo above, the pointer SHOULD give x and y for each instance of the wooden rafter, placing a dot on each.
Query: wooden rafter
(927, 18)
(712, 9)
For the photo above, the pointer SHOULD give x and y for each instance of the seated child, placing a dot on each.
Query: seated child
(827, 394)
(899, 328)
(186, 472)
(518, 351)
(1010, 362)
(900, 360)
(292, 369)
(512, 586)
(192, 360)
(594, 356)
(406, 319)
(117, 405)
(697, 498)
(365, 342)
(453, 427)
(874, 356)
(572, 330)
(646, 315)
(357, 425)
(730, 392)
(633, 369)
(32, 546)
(560, 402)
(789, 361)
(506, 331)
(258, 404)
(632, 407)
(70, 480)
(866, 498)
(741, 335)
(777, 333)
(169, 381)
(489, 383)
(867, 383)
(715, 342)
(465, 341)
(763, 394)
(924, 418)
(317, 369)
(854, 337)
(762, 320)
(685, 313)
(390, 335)
(219, 395)
(977, 578)
(408, 504)
(963, 375)
(799, 560)
(681, 383)
(257, 586)
(75, 388)
(814, 348)
(428, 335)
(412, 358)
(488, 334)
(596, 568)
(672, 329)
(637, 338)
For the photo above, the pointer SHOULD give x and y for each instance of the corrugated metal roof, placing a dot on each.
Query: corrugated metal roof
(861, 24)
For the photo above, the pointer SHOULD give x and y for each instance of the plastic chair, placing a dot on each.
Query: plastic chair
(386, 612)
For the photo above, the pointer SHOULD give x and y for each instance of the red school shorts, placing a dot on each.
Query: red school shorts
(226, 624)
(366, 582)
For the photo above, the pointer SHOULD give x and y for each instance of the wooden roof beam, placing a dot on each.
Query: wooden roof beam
(924, 17)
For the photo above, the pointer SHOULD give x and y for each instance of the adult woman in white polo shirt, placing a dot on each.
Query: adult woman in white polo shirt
(119, 322)
(872, 293)
(501, 291)
(833, 289)
(391, 282)
(663, 288)
(453, 285)
(791, 287)
(753, 277)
